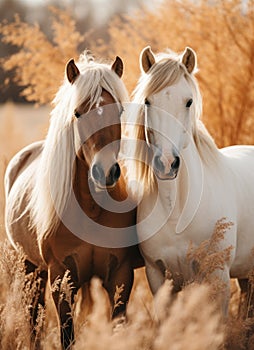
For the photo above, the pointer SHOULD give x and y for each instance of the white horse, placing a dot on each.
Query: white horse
(195, 183)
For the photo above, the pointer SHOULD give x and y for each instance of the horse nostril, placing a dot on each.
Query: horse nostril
(158, 163)
(97, 173)
(115, 172)
(176, 163)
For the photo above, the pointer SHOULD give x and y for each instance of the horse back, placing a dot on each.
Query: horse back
(20, 162)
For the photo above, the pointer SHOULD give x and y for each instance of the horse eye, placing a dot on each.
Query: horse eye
(189, 103)
(77, 114)
(147, 103)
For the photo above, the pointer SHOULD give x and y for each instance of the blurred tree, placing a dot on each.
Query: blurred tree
(91, 17)
(221, 32)
(39, 62)
(9, 91)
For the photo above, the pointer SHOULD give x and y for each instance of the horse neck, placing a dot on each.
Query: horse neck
(191, 173)
(91, 201)
(81, 187)
(184, 193)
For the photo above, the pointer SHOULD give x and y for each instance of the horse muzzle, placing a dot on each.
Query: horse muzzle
(165, 171)
(105, 181)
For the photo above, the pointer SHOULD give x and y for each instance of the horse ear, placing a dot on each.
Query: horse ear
(189, 59)
(117, 66)
(147, 59)
(72, 71)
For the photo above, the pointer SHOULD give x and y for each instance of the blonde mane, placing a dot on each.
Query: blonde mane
(166, 71)
(53, 181)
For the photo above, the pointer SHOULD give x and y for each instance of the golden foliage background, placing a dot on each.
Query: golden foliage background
(39, 63)
(222, 34)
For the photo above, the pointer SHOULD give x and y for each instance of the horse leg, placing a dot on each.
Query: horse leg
(246, 298)
(219, 281)
(39, 278)
(246, 308)
(63, 290)
(120, 277)
(156, 275)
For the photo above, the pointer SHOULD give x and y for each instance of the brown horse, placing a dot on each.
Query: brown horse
(66, 199)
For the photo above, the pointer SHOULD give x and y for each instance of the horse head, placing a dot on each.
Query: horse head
(169, 100)
(98, 122)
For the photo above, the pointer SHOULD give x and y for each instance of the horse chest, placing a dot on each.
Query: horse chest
(168, 252)
(101, 262)
(89, 206)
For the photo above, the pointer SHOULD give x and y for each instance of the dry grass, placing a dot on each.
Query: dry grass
(147, 327)
(209, 257)
(190, 321)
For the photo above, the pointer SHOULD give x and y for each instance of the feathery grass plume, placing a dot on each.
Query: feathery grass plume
(193, 322)
(236, 334)
(209, 257)
(250, 291)
(66, 293)
(235, 330)
(18, 298)
(40, 321)
(117, 297)
(178, 327)
(140, 330)
(98, 325)
(221, 32)
(14, 316)
(39, 62)
(163, 301)
(64, 287)
(246, 310)
(239, 330)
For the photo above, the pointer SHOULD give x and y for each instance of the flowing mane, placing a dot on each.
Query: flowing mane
(53, 182)
(166, 71)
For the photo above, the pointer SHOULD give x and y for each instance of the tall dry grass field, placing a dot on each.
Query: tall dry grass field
(221, 33)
